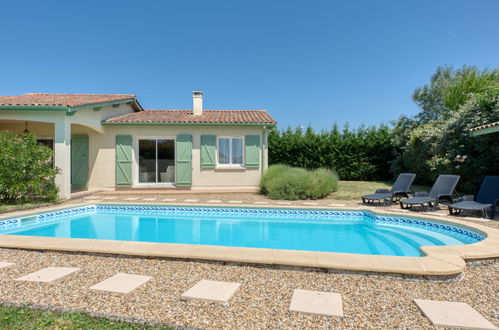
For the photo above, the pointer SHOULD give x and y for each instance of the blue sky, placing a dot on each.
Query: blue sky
(307, 62)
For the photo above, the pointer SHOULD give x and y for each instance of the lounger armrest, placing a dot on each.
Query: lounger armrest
(420, 194)
(382, 190)
(467, 198)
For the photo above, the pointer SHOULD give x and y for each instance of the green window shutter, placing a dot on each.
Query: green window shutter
(124, 160)
(208, 150)
(252, 151)
(184, 160)
(79, 160)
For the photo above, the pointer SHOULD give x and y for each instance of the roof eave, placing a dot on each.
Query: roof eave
(483, 131)
(72, 109)
(34, 107)
(185, 124)
(133, 102)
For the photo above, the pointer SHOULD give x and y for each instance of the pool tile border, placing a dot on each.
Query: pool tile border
(438, 260)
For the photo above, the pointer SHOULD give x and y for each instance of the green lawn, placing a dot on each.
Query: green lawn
(26, 318)
(354, 189)
(19, 207)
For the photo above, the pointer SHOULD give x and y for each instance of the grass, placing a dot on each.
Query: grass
(27, 318)
(354, 189)
(4, 208)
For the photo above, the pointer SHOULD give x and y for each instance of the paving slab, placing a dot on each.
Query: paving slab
(48, 275)
(4, 264)
(149, 199)
(92, 197)
(337, 204)
(213, 291)
(191, 200)
(317, 302)
(310, 203)
(121, 283)
(261, 202)
(111, 197)
(215, 201)
(236, 202)
(284, 203)
(169, 200)
(131, 198)
(450, 314)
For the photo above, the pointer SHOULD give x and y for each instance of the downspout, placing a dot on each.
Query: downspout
(265, 147)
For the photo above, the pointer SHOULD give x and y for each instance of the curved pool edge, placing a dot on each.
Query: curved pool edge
(438, 260)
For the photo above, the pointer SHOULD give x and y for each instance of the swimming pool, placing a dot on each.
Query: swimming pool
(359, 232)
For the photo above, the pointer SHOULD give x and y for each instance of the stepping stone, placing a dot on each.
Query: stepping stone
(190, 200)
(149, 199)
(235, 202)
(121, 283)
(284, 203)
(261, 202)
(4, 264)
(449, 314)
(310, 203)
(169, 200)
(131, 199)
(317, 302)
(111, 197)
(213, 291)
(215, 201)
(48, 275)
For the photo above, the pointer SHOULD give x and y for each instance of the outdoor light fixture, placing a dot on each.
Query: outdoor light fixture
(26, 131)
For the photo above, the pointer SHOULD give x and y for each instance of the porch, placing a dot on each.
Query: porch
(69, 141)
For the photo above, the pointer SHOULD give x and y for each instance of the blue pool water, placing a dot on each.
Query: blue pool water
(289, 229)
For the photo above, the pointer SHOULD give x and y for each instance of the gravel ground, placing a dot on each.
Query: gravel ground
(265, 294)
(261, 302)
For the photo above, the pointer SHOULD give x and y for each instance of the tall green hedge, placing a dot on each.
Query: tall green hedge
(362, 154)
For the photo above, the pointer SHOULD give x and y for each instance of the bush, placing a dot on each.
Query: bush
(286, 182)
(26, 169)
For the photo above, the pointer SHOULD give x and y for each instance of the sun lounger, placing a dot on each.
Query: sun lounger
(442, 189)
(399, 189)
(486, 199)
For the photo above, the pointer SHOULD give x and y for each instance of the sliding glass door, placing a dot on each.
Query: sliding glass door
(156, 161)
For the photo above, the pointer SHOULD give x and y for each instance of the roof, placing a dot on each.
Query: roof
(151, 117)
(485, 129)
(478, 128)
(69, 100)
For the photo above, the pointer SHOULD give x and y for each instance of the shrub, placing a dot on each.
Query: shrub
(26, 169)
(271, 173)
(285, 182)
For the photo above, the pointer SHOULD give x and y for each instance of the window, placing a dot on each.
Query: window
(49, 143)
(156, 161)
(230, 151)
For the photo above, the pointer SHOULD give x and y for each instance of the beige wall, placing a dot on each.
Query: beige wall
(102, 156)
(102, 144)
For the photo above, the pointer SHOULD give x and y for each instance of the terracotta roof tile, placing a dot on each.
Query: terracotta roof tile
(478, 128)
(187, 117)
(70, 100)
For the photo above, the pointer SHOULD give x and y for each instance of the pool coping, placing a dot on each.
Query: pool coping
(438, 260)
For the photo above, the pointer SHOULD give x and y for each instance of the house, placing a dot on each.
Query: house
(485, 129)
(111, 142)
